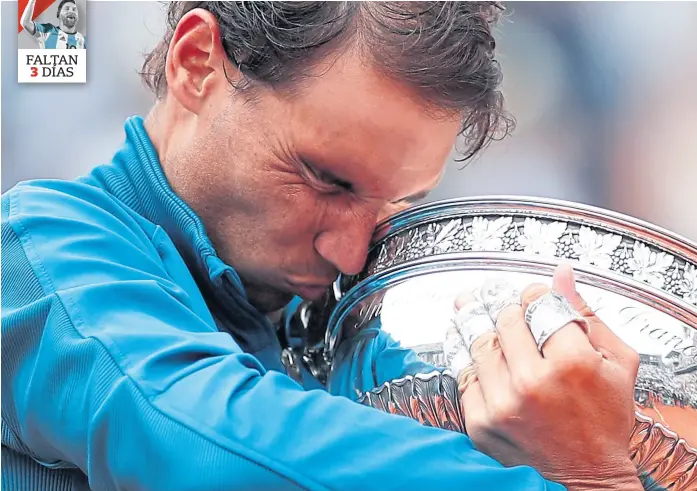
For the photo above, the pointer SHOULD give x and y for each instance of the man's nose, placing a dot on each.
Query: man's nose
(345, 243)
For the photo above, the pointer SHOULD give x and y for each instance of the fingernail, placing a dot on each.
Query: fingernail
(564, 280)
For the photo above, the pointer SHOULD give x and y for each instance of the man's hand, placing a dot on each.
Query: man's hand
(566, 409)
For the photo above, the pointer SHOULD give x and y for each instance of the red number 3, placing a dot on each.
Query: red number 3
(34, 71)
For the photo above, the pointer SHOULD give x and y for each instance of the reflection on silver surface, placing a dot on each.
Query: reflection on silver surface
(641, 281)
(418, 312)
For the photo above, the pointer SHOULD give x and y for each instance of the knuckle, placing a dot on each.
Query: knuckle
(583, 308)
(576, 367)
(631, 360)
(510, 316)
(501, 412)
(465, 379)
(570, 371)
(484, 346)
(526, 382)
(578, 364)
(532, 388)
(478, 428)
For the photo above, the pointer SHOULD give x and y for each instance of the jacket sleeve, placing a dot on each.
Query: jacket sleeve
(106, 366)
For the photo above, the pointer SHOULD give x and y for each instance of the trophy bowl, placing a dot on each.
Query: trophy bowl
(640, 280)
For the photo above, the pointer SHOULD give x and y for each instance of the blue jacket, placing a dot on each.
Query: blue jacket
(132, 360)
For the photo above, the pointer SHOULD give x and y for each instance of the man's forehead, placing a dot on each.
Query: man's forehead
(378, 162)
(374, 176)
(372, 132)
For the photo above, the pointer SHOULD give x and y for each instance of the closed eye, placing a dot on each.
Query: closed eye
(327, 178)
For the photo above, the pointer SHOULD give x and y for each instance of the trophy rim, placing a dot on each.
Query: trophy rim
(507, 262)
(535, 206)
(397, 234)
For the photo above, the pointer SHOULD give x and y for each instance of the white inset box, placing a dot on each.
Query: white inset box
(52, 43)
(52, 66)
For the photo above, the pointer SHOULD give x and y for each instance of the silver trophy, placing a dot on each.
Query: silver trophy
(640, 280)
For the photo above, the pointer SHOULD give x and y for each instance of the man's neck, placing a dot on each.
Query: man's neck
(66, 29)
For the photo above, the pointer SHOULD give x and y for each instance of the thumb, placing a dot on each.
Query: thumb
(599, 334)
(564, 283)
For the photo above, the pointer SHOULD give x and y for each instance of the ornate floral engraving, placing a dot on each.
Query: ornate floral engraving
(688, 286)
(674, 279)
(444, 241)
(541, 238)
(383, 258)
(487, 235)
(429, 238)
(620, 259)
(649, 266)
(566, 247)
(510, 238)
(595, 248)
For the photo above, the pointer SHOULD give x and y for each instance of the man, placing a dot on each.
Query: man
(137, 347)
(65, 36)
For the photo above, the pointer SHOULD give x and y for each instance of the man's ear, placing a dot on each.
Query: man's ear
(196, 60)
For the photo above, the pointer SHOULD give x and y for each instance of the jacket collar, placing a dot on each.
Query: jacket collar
(135, 178)
(145, 189)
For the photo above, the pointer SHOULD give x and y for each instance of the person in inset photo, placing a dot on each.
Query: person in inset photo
(49, 36)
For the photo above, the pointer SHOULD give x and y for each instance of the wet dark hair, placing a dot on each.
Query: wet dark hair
(60, 6)
(444, 50)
